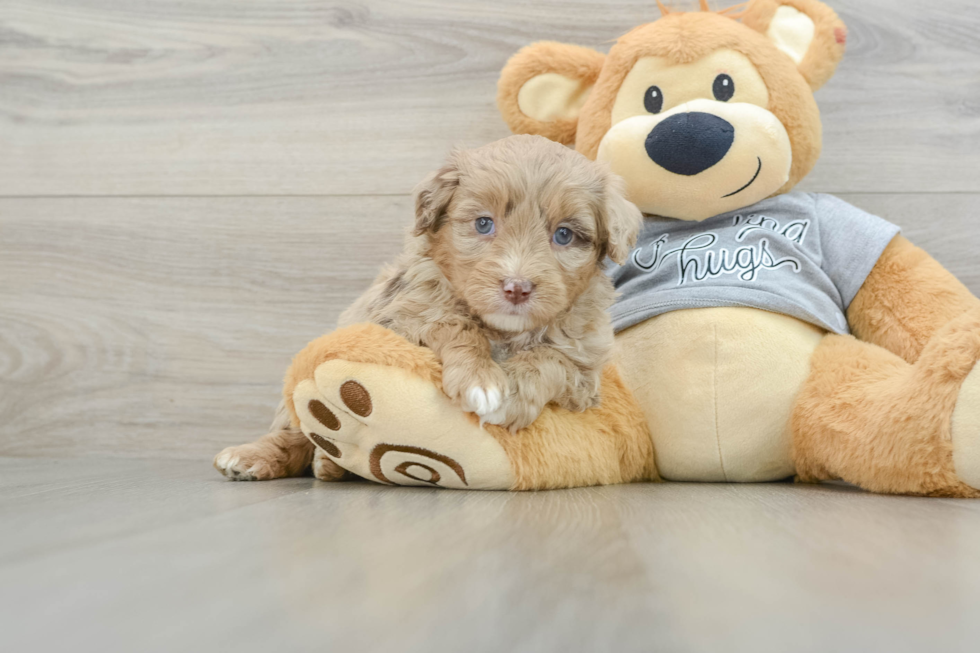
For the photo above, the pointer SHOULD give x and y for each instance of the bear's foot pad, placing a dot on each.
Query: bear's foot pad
(387, 425)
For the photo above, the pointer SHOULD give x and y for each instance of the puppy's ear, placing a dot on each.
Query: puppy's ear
(807, 30)
(622, 219)
(543, 87)
(433, 195)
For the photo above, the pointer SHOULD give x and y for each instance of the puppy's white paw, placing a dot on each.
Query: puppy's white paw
(477, 386)
(498, 417)
(226, 461)
(484, 401)
(243, 464)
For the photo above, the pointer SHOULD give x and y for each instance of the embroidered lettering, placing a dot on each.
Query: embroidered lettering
(696, 261)
(794, 231)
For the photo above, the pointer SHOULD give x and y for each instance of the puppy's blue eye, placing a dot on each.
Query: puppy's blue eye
(484, 226)
(563, 236)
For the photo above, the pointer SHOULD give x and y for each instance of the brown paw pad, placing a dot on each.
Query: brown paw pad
(329, 447)
(356, 397)
(323, 415)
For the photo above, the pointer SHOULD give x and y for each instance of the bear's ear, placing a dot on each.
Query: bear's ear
(543, 87)
(807, 30)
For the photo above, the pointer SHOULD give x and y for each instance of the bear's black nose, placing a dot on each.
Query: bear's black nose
(690, 143)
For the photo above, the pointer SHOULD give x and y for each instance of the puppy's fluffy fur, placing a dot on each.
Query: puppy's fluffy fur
(501, 360)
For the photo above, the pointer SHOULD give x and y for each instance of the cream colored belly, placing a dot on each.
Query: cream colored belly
(717, 386)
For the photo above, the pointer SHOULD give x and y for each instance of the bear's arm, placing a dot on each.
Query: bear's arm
(907, 298)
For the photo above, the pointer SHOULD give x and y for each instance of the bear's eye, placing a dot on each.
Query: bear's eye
(653, 99)
(723, 88)
(484, 225)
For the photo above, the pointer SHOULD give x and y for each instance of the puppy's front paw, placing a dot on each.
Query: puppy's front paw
(483, 401)
(518, 412)
(247, 462)
(479, 389)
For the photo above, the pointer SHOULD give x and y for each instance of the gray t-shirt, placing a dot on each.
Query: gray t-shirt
(799, 254)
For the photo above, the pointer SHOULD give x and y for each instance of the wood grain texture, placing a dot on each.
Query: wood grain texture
(162, 326)
(110, 555)
(244, 97)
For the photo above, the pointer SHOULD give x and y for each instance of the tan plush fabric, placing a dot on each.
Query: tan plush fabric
(868, 417)
(552, 96)
(906, 299)
(757, 164)
(792, 31)
(829, 34)
(686, 82)
(906, 306)
(717, 386)
(684, 38)
(570, 61)
(965, 430)
(367, 343)
(414, 435)
(760, 157)
(604, 445)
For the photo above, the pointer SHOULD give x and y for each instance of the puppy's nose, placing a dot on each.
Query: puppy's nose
(690, 143)
(517, 291)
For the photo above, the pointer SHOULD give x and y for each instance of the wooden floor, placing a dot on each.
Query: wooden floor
(143, 555)
(190, 190)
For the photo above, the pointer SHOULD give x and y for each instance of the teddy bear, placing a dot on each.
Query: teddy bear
(763, 333)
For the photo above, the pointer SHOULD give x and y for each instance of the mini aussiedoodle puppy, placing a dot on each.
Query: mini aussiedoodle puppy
(502, 277)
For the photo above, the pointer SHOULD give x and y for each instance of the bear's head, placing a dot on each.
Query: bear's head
(700, 112)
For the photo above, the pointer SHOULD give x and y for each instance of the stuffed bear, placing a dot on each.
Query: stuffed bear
(764, 333)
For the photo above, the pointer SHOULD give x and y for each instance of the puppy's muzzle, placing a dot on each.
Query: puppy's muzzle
(690, 143)
(517, 291)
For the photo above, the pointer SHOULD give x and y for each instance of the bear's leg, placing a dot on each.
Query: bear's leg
(868, 417)
(965, 430)
(906, 300)
(604, 445)
(372, 403)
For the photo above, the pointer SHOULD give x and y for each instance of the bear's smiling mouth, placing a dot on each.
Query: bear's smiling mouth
(751, 181)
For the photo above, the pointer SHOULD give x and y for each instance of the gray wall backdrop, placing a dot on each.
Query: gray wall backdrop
(190, 191)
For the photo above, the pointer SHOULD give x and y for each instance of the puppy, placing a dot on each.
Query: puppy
(502, 277)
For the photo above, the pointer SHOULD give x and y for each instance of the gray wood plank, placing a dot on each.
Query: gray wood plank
(149, 326)
(86, 502)
(138, 327)
(205, 97)
(356, 566)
